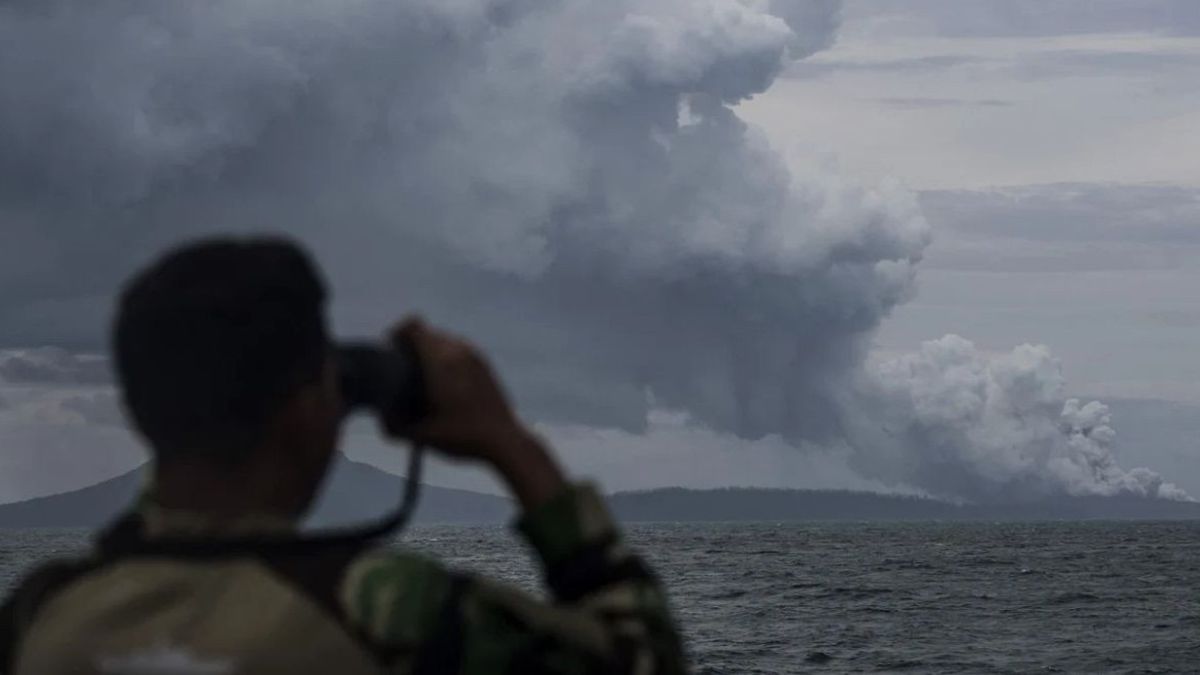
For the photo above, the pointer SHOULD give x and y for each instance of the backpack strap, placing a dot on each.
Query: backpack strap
(318, 575)
(314, 566)
(23, 603)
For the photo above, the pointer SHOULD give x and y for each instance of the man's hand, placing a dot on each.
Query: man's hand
(469, 416)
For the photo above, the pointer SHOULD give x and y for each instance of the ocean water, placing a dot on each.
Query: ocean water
(870, 598)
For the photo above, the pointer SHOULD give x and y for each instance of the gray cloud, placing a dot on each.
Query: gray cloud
(60, 423)
(1174, 318)
(567, 182)
(934, 102)
(52, 365)
(1007, 18)
(97, 408)
(803, 69)
(552, 202)
(814, 23)
(1072, 226)
(1073, 211)
(1039, 65)
(55, 386)
(1105, 63)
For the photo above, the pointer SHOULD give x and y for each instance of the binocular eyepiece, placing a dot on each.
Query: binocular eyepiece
(384, 379)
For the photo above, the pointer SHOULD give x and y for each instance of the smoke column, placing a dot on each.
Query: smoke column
(566, 179)
(988, 427)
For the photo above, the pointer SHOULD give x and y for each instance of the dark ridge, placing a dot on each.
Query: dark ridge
(87, 507)
(353, 492)
(357, 491)
(756, 504)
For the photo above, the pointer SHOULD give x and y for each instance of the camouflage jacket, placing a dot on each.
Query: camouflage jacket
(346, 608)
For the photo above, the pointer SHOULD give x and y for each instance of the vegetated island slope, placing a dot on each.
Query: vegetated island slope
(357, 491)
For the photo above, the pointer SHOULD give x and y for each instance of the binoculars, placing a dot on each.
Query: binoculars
(386, 380)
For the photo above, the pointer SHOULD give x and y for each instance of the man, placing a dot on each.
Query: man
(226, 370)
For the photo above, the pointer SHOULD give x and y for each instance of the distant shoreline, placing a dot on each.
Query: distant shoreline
(356, 491)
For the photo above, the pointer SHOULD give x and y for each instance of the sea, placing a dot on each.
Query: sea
(1086, 597)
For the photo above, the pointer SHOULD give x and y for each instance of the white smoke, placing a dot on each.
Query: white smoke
(567, 180)
(987, 426)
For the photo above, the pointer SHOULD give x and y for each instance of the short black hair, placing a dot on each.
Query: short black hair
(211, 340)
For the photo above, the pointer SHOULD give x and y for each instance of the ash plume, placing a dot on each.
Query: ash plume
(987, 427)
(566, 180)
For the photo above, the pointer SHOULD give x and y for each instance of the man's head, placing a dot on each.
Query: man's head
(225, 363)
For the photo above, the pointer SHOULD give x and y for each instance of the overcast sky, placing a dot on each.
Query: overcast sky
(1057, 148)
(1009, 171)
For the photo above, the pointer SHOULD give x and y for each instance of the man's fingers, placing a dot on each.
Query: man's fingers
(430, 342)
(464, 398)
(415, 333)
(410, 328)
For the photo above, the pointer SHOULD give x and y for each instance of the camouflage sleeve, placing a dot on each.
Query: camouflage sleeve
(609, 613)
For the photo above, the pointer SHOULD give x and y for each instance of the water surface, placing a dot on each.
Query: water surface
(920, 597)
